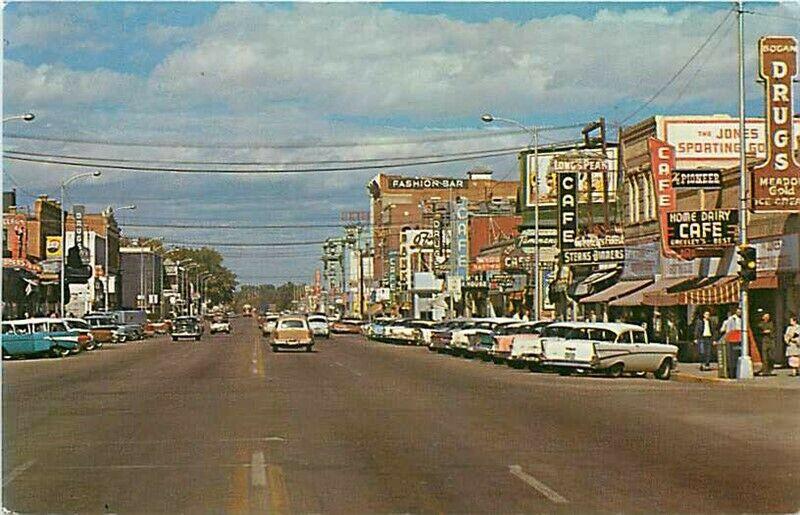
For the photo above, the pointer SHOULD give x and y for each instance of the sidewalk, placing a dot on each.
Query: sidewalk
(690, 373)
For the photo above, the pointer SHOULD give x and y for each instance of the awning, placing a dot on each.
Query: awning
(766, 281)
(714, 290)
(584, 287)
(637, 298)
(616, 291)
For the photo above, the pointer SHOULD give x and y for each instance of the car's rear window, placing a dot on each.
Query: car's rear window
(292, 324)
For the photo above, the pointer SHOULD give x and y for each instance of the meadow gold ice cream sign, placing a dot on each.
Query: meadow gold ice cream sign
(776, 182)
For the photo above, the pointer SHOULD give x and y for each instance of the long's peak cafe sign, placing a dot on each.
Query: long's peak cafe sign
(776, 182)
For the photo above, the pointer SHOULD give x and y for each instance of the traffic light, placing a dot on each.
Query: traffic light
(747, 263)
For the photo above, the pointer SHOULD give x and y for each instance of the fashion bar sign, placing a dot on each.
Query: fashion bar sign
(776, 182)
(692, 229)
(426, 183)
(567, 209)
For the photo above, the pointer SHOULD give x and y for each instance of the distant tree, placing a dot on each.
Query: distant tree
(221, 285)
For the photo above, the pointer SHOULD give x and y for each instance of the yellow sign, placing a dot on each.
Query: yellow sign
(53, 249)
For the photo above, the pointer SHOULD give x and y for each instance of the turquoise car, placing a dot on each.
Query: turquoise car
(36, 337)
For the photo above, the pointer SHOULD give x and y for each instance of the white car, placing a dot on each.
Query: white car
(319, 325)
(477, 338)
(609, 348)
(269, 324)
(220, 326)
(526, 349)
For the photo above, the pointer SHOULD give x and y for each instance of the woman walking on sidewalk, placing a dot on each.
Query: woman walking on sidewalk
(792, 340)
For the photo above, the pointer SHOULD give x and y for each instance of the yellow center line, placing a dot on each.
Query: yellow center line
(278, 495)
(238, 498)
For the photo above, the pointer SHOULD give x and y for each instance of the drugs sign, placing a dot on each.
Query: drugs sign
(691, 229)
(776, 182)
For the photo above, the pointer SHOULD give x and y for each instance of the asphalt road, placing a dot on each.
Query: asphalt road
(225, 425)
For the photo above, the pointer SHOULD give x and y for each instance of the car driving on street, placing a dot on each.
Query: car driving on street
(292, 332)
(319, 325)
(186, 327)
(220, 325)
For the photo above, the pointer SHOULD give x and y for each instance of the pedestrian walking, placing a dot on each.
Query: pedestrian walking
(767, 342)
(704, 338)
(792, 340)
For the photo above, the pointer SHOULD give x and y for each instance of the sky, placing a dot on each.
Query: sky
(231, 82)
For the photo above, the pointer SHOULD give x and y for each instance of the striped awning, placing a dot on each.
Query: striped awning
(716, 290)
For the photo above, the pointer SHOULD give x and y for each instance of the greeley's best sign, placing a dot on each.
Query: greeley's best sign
(776, 182)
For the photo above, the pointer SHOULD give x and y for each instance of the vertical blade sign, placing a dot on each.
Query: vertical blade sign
(567, 209)
(662, 162)
(776, 182)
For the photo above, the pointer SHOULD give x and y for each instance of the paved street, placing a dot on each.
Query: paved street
(226, 425)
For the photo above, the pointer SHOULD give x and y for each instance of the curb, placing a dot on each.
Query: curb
(683, 377)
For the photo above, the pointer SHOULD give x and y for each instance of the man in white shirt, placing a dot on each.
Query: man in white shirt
(732, 323)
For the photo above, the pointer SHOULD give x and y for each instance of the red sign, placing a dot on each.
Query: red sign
(486, 264)
(21, 263)
(776, 182)
(662, 162)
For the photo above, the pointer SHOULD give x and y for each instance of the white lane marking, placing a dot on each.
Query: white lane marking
(176, 440)
(17, 471)
(540, 487)
(359, 374)
(258, 470)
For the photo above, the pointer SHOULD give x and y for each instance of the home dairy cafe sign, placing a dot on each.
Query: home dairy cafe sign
(776, 182)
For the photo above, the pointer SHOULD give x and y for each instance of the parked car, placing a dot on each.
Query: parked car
(526, 349)
(469, 342)
(319, 325)
(158, 327)
(347, 326)
(292, 331)
(503, 338)
(612, 349)
(443, 334)
(220, 325)
(376, 327)
(132, 321)
(186, 327)
(104, 327)
(38, 337)
(269, 324)
(79, 325)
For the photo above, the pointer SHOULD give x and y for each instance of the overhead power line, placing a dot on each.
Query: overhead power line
(88, 162)
(365, 143)
(679, 72)
(254, 171)
(240, 244)
(253, 163)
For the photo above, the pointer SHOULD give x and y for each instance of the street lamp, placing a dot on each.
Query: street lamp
(534, 132)
(109, 211)
(64, 185)
(27, 117)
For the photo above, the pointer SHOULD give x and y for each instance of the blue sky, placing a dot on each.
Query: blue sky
(315, 73)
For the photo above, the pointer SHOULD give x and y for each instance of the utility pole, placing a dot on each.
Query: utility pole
(537, 285)
(744, 366)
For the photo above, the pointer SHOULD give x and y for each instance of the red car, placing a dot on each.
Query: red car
(347, 326)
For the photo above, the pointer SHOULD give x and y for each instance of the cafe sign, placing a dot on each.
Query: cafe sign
(776, 182)
(662, 163)
(567, 209)
(691, 231)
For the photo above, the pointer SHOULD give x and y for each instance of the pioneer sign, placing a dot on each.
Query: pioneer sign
(776, 182)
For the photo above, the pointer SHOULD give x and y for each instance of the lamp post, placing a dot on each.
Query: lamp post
(27, 117)
(744, 365)
(64, 185)
(534, 132)
(109, 211)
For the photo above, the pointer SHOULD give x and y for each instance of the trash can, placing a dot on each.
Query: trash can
(722, 359)
(732, 343)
